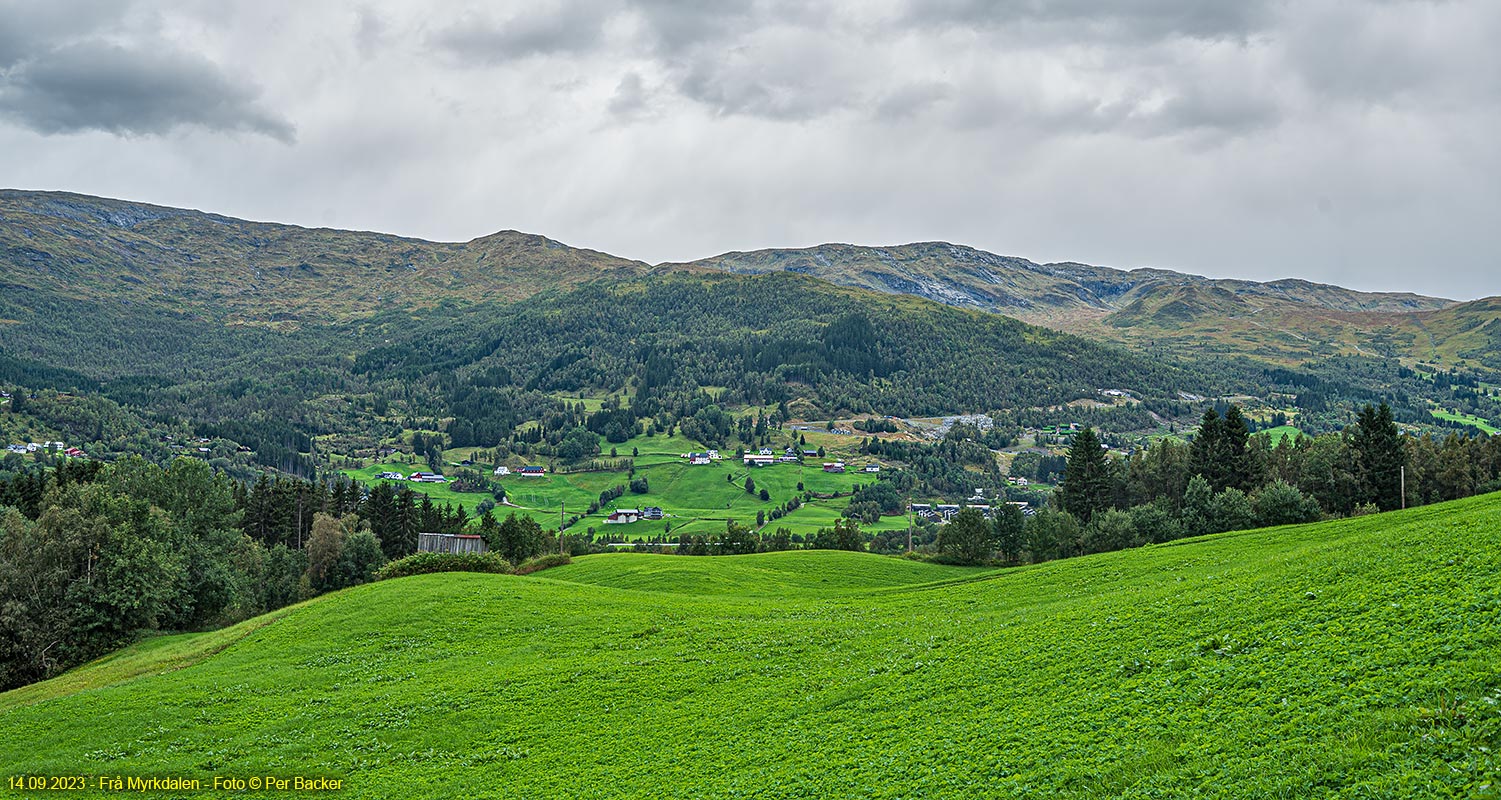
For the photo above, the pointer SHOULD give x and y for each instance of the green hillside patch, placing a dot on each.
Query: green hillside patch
(1468, 419)
(697, 499)
(440, 492)
(1276, 434)
(808, 573)
(1355, 658)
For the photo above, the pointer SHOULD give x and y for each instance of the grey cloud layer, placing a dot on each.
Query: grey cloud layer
(1342, 140)
(66, 68)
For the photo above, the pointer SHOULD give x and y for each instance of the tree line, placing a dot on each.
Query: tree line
(91, 555)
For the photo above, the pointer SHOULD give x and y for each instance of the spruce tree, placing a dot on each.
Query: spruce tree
(1086, 481)
(1231, 453)
(1379, 457)
(1203, 455)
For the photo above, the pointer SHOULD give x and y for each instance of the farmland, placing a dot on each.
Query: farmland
(1467, 419)
(1276, 434)
(1347, 658)
(698, 499)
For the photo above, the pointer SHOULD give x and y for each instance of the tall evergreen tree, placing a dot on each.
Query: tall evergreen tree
(1203, 455)
(1087, 481)
(1231, 452)
(1220, 452)
(1379, 457)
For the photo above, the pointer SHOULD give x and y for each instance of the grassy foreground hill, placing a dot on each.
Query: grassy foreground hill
(1359, 658)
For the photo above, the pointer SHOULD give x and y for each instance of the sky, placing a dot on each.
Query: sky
(1343, 141)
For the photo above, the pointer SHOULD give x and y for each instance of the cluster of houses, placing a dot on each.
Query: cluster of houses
(46, 447)
(944, 512)
(433, 477)
(625, 516)
(765, 457)
(531, 471)
(701, 459)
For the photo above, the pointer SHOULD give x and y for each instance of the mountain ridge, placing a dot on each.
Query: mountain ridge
(268, 273)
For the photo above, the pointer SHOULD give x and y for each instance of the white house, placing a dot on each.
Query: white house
(502, 470)
(623, 516)
(762, 459)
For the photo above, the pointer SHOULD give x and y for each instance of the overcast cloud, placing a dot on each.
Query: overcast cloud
(1335, 140)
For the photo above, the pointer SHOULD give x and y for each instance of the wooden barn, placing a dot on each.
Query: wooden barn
(451, 543)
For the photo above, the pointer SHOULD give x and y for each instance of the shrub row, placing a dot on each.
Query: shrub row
(424, 563)
(543, 562)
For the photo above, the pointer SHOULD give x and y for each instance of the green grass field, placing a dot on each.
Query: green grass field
(698, 499)
(1357, 658)
(1468, 419)
(439, 492)
(1276, 434)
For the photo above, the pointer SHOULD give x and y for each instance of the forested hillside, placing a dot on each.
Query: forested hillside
(1285, 321)
(132, 328)
(492, 366)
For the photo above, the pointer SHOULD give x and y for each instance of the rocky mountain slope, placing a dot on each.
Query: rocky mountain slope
(1286, 320)
(241, 272)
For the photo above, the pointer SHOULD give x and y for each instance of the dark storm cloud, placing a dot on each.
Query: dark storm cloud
(95, 85)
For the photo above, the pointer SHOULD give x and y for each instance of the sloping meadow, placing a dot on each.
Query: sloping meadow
(1353, 658)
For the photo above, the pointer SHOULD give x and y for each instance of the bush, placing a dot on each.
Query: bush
(424, 563)
(1110, 530)
(1283, 504)
(543, 562)
(1231, 510)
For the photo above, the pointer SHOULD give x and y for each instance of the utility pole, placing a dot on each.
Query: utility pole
(1403, 469)
(561, 512)
(909, 523)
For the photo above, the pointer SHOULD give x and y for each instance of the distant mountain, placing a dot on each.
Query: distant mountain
(1286, 320)
(224, 268)
(235, 271)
